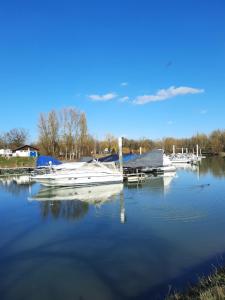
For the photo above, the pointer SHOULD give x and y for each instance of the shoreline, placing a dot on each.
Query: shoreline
(207, 288)
(15, 171)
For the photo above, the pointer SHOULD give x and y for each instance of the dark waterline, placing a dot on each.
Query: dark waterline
(112, 242)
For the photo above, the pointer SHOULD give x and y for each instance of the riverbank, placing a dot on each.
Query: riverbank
(211, 287)
(16, 165)
(17, 162)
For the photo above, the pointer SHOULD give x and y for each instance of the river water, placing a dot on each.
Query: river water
(111, 242)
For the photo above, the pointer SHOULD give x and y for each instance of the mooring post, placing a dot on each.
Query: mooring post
(197, 150)
(120, 143)
(173, 149)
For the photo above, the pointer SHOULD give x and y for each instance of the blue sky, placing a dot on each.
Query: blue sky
(142, 68)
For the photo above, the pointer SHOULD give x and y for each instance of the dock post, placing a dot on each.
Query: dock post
(182, 150)
(186, 150)
(120, 143)
(197, 150)
(140, 150)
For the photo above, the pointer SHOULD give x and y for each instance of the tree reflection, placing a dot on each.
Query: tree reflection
(214, 165)
(70, 210)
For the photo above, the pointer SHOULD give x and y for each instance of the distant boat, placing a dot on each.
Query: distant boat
(79, 174)
(153, 161)
(188, 158)
(180, 159)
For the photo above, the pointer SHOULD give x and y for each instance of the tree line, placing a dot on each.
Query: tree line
(65, 134)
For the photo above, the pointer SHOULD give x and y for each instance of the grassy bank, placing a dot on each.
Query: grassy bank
(17, 162)
(208, 288)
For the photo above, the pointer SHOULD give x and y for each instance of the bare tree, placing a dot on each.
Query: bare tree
(53, 129)
(69, 132)
(44, 141)
(49, 132)
(3, 143)
(16, 137)
(83, 141)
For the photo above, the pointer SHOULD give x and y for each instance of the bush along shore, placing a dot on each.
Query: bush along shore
(16, 165)
(211, 287)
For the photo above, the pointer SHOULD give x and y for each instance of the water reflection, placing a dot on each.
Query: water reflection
(73, 203)
(91, 194)
(186, 167)
(159, 184)
(213, 165)
(174, 225)
(15, 184)
(70, 210)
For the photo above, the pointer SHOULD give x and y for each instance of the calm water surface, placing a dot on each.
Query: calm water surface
(111, 242)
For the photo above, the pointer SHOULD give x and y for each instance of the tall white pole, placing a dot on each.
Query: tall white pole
(197, 150)
(186, 150)
(140, 150)
(182, 150)
(173, 149)
(120, 143)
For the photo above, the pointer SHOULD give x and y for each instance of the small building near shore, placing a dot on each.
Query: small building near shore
(5, 152)
(25, 151)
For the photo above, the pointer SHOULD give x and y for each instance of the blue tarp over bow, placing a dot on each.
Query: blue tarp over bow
(43, 161)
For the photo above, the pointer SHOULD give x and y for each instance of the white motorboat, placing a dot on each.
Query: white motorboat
(180, 159)
(79, 174)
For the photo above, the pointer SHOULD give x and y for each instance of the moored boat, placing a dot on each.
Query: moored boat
(79, 174)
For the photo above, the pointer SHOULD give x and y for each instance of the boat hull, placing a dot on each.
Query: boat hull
(78, 180)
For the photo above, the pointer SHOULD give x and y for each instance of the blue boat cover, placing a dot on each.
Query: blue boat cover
(43, 161)
(115, 158)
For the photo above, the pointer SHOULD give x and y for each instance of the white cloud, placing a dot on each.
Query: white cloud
(105, 97)
(124, 99)
(124, 84)
(203, 111)
(165, 94)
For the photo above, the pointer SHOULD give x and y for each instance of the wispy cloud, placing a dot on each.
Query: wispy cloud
(124, 99)
(104, 97)
(170, 122)
(124, 83)
(165, 94)
(203, 111)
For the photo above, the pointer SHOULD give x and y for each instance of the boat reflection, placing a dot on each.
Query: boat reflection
(15, 184)
(18, 179)
(73, 203)
(91, 194)
(186, 166)
(159, 183)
